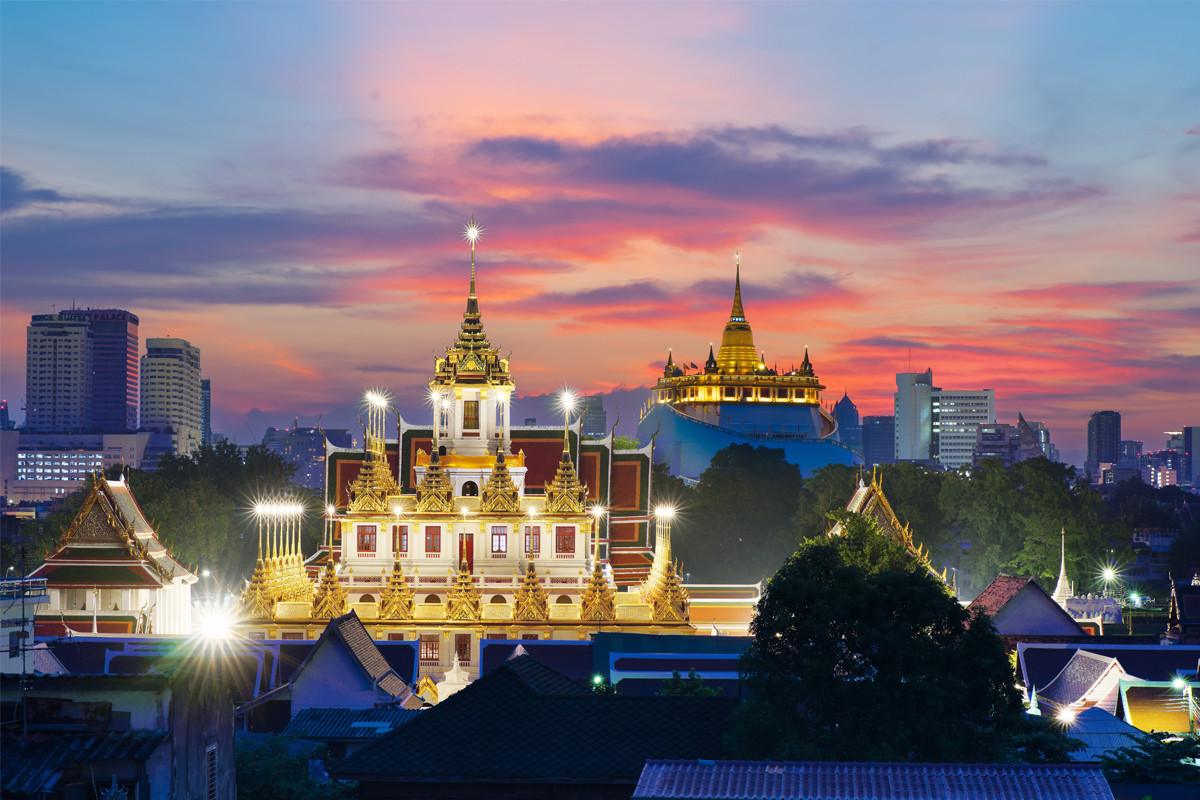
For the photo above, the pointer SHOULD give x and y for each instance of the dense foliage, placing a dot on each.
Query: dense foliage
(751, 508)
(853, 663)
(201, 507)
(1155, 758)
(277, 766)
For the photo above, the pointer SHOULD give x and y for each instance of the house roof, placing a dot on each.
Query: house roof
(1005, 588)
(348, 631)
(802, 780)
(1041, 662)
(527, 723)
(1101, 733)
(347, 724)
(26, 766)
(1076, 678)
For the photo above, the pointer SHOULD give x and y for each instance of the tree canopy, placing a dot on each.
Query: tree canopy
(859, 665)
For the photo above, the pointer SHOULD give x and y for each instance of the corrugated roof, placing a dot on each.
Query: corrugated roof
(805, 780)
(25, 766)
(529, 725)
(1101, 733)
(327, 724)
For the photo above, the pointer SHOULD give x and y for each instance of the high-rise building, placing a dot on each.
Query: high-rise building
(206, 411)
(595, 420)
(879, 439)
(1190, 466)
(304, 448)
(849, 425)
(956, 417)
(171, 391)
(1043, 436)
(58, 374)
(1103, 441)
(1130, 454)
(115, 380)
(914, 416)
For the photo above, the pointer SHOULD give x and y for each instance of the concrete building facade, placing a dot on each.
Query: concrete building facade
(171, 391)
(58, 373)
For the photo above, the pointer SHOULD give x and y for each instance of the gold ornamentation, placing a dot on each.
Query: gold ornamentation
(396, 601)
(598, 603)
(256, 600)
(464, 601)
(434, 493)
(500, 495)
(565, 495)
(331, 596)
(671, 604)
(531, 603)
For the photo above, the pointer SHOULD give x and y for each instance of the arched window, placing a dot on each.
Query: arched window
(499, 599)
(563, 599)
(470, 489)
(433, 598)
(366, 598)
(441, 450)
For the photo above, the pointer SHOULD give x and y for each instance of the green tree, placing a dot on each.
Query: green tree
(279, 767)
(1155, 758)
(862, 544)
(624, 442)
(691, 686)
(848, 665)
(826, 489)
(738, 528)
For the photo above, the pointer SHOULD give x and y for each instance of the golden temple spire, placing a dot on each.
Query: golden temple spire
(737, 354)
(463, 603)
(530, 602)
(396, 600)
(737, 314)
(471, 336)
(471, 233)
(597, 601)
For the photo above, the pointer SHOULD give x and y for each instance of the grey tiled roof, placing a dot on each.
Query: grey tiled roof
(28, 765)
(525, 722)
(1076, 678)
(328, 724)
(349, 631)
(806, 780)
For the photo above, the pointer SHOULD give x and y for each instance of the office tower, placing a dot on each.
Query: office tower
(849, 426)
(595, 420)
(1189, 464)
(58, 374)
(1130, 454)
(115, 380)
(879, 439)
(206, 411)
(998, 441)
(171, 391)
(1043, 436)
(955, 418)
(914, 415)
(6, 423)
(1103, 441)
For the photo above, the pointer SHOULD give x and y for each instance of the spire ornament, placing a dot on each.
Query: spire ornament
(530, 602)
(500, 495)
(671, 605)
(434, 492)
(396, 600)
(331, 595)
(464, 603)
(1063, 589)
(597, 601)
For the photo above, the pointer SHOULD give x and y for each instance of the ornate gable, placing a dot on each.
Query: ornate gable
(500, 495)
(565, 495)
(434, 492)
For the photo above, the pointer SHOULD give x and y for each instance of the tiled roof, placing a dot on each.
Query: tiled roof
(325, 724)
(1079, 675)
(998, 593)
(1100, 733)
(26, 766)
(349, 631)
(804, 780)
(1041, 662)
(526, 724)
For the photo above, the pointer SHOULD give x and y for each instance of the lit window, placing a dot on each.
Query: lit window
(499, 540)
(400, 538)
(564, 540)
(366, 540)
(433, 539)
(430, 650)
(533, 539)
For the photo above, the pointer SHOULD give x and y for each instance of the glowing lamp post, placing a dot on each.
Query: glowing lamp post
(597, 513)
(1109, 575)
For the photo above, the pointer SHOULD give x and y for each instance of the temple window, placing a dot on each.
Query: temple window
(462, 648)
(533, 539)
(470, 489)
(400, 539)
(564, 540)
(366, 540)
(433, 540)
(499, 540)
(470, 415)
(430, 651)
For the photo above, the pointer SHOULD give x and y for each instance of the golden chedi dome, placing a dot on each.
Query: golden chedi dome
(737, 355)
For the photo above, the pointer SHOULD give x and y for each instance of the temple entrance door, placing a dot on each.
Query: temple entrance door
(466, 550)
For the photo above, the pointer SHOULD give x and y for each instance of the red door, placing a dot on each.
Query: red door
(466, 550)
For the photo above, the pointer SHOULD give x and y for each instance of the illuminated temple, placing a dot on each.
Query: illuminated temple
(471, 528)
(735, 398)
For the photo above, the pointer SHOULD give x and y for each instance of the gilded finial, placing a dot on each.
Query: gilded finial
(471, 234)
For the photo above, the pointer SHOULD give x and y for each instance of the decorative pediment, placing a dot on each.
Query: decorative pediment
(598, 605)
(464, 603)
(396, 601)
(331, 595)
(671, 603)
(434, 493)
(371, 488)
(500, 495)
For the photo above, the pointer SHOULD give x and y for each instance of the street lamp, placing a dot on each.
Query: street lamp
(597, 512)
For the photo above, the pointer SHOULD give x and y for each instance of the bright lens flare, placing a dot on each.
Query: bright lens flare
(666, 512)
(566, 400)
(1066, 716)
(1179, 682)
(215, 622)
(1109, 574)
(376, 399)
(597, 511)
(472, 232)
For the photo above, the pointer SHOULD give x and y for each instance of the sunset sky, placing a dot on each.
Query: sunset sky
(1007, 193)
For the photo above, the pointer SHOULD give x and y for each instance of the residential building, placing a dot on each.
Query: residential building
(37, 467)
(879, 439)
(1043, 436)
(1008, 443)
(1190, 468)
(206, 437)
(1130, 454)
(955, 417)
(1161, 476)
(304, 448)
(1019, 607)
(1103, 441)
(736, 398)
(58, 374)
(1152, 554)
(115, 381)
(171, 392)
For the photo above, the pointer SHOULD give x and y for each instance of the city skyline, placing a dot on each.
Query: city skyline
(1004, 193)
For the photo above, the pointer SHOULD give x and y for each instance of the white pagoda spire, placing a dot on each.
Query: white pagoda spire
(1063, 589)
